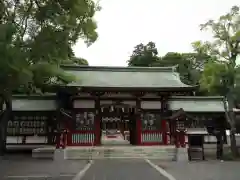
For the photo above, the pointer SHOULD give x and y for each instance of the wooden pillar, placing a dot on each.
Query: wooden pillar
(163, 110)
(57, 122)
(138, 122)
(97, 121)
(50, 130)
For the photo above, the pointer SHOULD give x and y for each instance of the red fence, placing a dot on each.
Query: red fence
(81, 138)
(152, 138)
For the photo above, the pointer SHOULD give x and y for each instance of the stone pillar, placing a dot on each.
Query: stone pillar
(181, 154)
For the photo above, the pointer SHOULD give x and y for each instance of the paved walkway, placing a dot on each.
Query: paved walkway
(120, 169)
(204, 170)
(118, 140)
(22, 167)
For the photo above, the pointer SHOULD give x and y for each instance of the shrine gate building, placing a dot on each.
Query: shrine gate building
(140, 100)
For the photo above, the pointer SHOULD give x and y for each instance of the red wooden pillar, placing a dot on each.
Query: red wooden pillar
(97, 122)
(57, 140)
(164, 131)
(97, 130)
(138, 122)
(138, 130)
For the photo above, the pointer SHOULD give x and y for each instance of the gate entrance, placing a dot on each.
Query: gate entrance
(118, 124)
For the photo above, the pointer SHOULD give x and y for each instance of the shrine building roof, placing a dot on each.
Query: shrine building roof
(197, 103)
(139, 78)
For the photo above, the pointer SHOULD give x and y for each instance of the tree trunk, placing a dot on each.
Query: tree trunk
(219, 137)
(230, 115)
(4, 121)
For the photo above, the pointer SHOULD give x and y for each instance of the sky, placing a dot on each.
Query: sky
(171, 24)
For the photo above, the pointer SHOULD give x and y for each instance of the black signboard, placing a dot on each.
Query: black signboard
(151, 121)
(85, 121)
(27, 125)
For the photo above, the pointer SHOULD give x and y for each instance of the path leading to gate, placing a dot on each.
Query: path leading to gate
(115, 139)
(121, 169)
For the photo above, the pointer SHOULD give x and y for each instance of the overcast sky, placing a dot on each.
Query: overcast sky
(171, 24)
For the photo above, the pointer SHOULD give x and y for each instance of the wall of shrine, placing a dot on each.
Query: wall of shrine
(83, 131)
(150, 129)
(24, 125)
(29, 123)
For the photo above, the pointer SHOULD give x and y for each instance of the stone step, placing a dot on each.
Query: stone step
(43, 153)
(127, 152)
(105, 152)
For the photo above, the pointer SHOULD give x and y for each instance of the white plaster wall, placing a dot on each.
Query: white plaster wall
(197, 105)
(84, 104)
(33, 105)
(151, 105)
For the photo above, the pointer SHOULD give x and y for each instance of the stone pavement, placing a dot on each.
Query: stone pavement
(121, 169)
(202, 170)
(23, 167)
(118, 140)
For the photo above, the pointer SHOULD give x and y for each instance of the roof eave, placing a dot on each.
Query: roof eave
(130, 89)
(116, 68)
(197, 97)
(34, 96)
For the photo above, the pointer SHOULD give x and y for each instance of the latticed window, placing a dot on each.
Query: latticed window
(197, 122)
(151, 121)
(180, 125)
(85, 121)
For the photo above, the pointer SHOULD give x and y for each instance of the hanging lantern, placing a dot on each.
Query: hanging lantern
(111, 109)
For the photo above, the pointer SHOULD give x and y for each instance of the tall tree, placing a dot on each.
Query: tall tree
(225, 48)
(36, 36)
(75, 61)
(212, 77)
(188, 65)
(144, 55)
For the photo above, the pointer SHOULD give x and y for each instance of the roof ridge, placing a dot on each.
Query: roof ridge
(118, 68)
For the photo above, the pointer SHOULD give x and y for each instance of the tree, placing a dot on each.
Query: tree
(36, 36)
(224, 48)
(144, 55)
(189, 65)
(211, 80)
(184, 63)
(75, 61)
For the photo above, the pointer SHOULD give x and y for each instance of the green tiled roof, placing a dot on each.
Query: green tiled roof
(197, 103)
(125, 77)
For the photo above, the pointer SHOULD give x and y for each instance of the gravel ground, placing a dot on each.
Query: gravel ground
(24, 166)
(204, 170)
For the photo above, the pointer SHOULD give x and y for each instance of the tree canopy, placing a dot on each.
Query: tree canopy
(189, 65)
(144, 55)
(222, 76)
(36, 37)
(224, 48)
